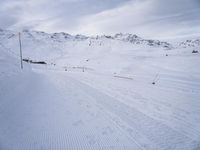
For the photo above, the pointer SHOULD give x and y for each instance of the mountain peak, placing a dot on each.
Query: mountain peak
(126, 35)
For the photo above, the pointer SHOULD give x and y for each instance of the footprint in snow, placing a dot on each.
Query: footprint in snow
(91, 139)
(78, 123)
(107, 130)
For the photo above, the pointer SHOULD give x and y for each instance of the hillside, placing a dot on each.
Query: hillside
(65, 50)
(118, 92)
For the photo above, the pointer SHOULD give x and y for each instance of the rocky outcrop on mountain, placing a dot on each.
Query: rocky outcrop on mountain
(190, 43)
(132, 38)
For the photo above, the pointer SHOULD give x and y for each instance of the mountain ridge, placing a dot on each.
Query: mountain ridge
(124, 37)
(62, 36)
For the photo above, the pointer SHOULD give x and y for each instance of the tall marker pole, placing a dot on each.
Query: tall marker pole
(20, 47)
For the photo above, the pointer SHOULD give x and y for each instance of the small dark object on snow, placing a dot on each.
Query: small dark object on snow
(53, 64)
(167, 55)
(39, 62)
(108, 37)
(34, 62)
(153, 83)
(26, 60)
(194, 51)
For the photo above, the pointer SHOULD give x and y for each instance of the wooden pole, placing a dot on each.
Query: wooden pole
(20, 48)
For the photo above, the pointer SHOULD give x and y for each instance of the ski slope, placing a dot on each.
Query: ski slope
(59, 110)
(111, 105)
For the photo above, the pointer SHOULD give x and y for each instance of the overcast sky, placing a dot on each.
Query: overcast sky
(148, 18)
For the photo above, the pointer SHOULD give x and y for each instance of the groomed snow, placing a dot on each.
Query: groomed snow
(111, 105)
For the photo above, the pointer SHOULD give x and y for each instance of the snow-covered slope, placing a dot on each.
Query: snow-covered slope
(38, 41)
(118, 53)
(10, 70)
(134, 94)
(137, 40)
(66, 50)
(8, 62)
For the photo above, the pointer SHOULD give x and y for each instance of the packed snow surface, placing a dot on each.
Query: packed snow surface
(106, 93)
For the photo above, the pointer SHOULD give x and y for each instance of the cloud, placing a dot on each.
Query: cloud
(149, 18)
(50, 14)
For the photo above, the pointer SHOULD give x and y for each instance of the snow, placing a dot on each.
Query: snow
(111, 105)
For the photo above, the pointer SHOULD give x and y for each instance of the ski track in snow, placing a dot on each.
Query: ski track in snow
(182, 109)
(46, 121)
(160, 134)
(64, 111)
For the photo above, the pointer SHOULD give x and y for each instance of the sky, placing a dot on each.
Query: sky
(148, 18)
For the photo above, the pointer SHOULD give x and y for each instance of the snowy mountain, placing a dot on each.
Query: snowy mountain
(138, 40)
(46, 41)
(64, 49)
(74, 51)
(64, 37)
(117, 92)
(190, 43)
